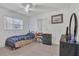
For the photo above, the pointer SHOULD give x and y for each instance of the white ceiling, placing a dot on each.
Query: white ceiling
(37, 8)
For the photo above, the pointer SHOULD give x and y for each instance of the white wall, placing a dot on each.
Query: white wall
(55, 29)
(5, 33)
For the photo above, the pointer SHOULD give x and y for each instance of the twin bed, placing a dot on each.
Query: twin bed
(20, 40)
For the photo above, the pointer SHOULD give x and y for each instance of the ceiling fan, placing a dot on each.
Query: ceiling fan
(28, 7)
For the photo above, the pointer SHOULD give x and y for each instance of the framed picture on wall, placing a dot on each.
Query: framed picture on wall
(55, 19)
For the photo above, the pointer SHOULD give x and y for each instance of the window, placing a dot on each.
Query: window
(13, 23)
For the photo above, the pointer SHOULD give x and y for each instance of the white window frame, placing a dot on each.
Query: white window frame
(13, 23)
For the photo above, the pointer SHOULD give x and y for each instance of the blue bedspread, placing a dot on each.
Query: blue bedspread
(12, 40)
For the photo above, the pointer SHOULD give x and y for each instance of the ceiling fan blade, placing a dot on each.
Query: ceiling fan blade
(33, 9)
